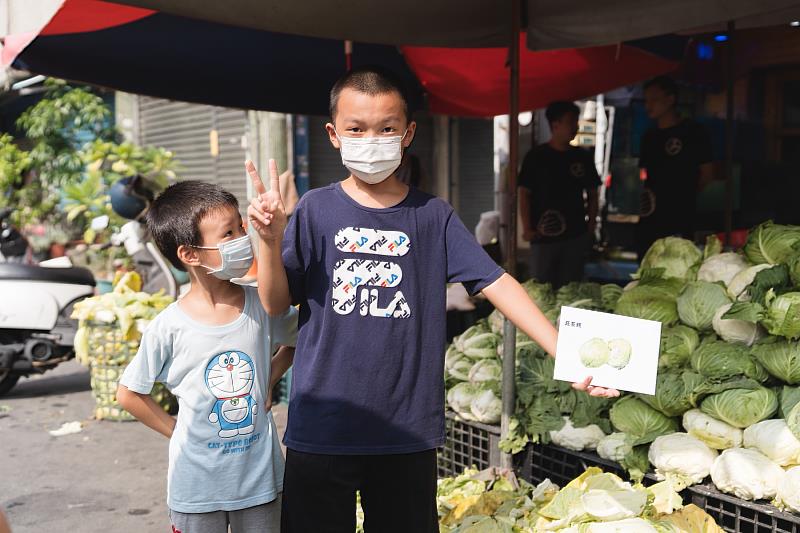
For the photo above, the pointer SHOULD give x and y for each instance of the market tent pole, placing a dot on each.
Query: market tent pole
(729, 80)
(509, 331)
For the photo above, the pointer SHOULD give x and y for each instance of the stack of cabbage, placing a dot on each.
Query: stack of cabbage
(727, 400)
(488, 502)
(474, 366)
(108, 337)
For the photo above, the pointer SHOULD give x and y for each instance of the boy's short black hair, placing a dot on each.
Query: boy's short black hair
(371, 80)
(173, 219)
(556, 110)
(665, 83)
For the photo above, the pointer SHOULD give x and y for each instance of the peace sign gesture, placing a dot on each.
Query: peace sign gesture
(266, 211)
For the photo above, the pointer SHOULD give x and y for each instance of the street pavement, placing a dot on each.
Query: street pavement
(112, 476)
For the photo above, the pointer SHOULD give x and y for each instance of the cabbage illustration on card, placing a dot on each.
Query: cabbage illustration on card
(617, 351)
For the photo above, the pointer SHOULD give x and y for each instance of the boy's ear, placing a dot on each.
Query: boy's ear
(188, 255)
(412, 129)
(331, 129)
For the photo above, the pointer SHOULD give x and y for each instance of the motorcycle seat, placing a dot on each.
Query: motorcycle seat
(71, 275)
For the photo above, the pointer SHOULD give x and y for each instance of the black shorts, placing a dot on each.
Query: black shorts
(398, 493)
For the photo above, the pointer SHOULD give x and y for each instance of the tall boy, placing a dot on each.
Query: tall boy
(368, 259)
(212, 350)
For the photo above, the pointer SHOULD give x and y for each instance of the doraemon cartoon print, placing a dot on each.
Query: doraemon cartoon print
(229, 377)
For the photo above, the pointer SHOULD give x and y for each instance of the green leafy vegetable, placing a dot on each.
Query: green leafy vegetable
(677, 345)
(721, 268)
(673, 392)
(651, 299)
(634, 417)
(741, 407)
(772, 243)
(699, 301)
(672, 257)
(781, 358)
(719, 360)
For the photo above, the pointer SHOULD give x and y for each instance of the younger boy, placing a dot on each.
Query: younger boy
(212, 350)
(368, 259)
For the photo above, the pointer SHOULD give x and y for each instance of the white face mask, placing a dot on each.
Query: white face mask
(236, 255)
(371, 159)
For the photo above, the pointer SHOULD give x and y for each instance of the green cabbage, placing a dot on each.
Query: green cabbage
(479, 328)
(741, 407)
(720, 360)
(677, 345)
(699, 301)
(732, 330)
(671, 257)
(651, 299)
(460, 369)
(794, 270)
(486, 370)
(721, 268)
(783, 315)
(460, 397)
(580, 294)
(738, 285)
(633, 416)
(594, 353)
(486, 406)
(481, 346)
(781, 358)
(673, 392)
(611, 293)
(772, 243)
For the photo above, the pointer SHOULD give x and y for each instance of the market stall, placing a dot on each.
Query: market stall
(724, 424)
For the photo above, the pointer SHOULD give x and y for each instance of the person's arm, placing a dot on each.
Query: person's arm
(4, 527)
(528, 233)
(146, 410)
(508, 296)
(279, 365)
(268, 216)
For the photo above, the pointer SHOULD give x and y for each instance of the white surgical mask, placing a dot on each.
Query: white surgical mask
(371, 159)
(236, 255)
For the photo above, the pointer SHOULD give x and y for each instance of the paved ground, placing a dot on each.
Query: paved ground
(109, 477)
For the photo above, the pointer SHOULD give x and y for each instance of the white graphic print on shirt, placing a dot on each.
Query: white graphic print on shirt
(350, 274)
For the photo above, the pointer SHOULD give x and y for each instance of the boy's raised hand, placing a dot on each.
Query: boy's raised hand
(266, 212)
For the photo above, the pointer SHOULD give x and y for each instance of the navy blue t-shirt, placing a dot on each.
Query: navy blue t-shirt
(368, 374)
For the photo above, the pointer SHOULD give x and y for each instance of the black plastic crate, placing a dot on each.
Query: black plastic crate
(736, 515)
(560, 465)
(467, 444)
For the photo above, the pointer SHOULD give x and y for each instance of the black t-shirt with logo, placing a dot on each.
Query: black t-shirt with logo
(672, 158)
(557, 182)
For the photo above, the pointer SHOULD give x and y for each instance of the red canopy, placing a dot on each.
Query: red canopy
(474, 81)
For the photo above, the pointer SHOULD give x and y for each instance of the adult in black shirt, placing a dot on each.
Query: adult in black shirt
(676, 158)
(558, 200)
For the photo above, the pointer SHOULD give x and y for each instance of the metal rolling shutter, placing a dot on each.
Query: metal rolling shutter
(184, 128)
(475, 170)
(324, 162)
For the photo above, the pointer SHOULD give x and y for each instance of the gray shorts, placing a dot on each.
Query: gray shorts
(264, 518)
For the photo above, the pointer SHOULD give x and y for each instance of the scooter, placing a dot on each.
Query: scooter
(36, 331)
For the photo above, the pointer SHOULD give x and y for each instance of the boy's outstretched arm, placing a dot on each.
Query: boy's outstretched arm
(146, 410)
(508, 296)
(268, 217)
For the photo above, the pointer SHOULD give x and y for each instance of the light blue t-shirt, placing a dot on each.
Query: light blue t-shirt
(224, 454)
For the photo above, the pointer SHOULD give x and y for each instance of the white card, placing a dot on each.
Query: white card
(617, 351)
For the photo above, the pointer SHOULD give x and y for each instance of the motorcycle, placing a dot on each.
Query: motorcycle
(36, 331)
(36, 328)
